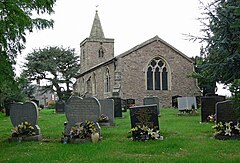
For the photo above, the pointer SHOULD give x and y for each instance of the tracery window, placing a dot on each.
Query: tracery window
(157, 75)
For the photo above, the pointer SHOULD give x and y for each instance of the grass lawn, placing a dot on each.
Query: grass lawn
(185, 140)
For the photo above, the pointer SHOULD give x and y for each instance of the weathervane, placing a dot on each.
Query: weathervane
(96, 7)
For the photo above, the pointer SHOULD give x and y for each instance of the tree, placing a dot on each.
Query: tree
(16, 18)
(56, 65)
(222, 38)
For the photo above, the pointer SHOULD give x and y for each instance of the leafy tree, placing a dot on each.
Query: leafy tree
(16, 18)
(222, 38)
(56, 65)
(10, 89)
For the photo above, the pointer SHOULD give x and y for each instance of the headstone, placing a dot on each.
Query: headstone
(175, 101)
(36, 102)
(107, 108)
(117, 106)
(208, 106)
(225, 112)
(59, 107)
(124, 105)
(152, 100)
(186, 103)
(7, 108)
(130, 103)
(144, 115)
(24, 112)
(78, 110)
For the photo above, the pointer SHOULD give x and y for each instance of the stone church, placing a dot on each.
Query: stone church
(152, 68)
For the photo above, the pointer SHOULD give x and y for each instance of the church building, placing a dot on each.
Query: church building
(152, 68)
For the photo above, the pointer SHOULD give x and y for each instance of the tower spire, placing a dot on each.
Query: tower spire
(97, 31)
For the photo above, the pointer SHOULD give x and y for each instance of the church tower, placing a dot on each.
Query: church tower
(95, 49)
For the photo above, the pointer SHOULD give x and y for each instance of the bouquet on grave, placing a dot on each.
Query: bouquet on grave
(228, 129)
(23, 129)
(143, 133)
(211, 118)
(83, 130)
(103, 118)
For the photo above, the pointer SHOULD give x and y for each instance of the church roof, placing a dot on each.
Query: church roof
(156, 38)
(96, 31)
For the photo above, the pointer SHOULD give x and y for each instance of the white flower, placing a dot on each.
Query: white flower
(228, 125)
(237, 127)
(150, 131)
(228, 131)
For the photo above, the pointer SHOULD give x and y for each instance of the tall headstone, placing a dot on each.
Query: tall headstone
(107, 108)
(225, 112)
(150, 100)
(208, 106)
(144, 115)
(117, 106)
(78, 110)
(27, 112)
(186, 103)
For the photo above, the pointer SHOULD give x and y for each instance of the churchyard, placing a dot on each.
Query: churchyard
(183, 138)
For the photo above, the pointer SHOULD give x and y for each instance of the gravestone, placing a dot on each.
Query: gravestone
(124, 105)
(225, 112)
(117, 106)
(59, 107)
(186, 103)
(144, 115)
(175, 101)
(152, 100)
(25, 112)
(78, 110)
(208, 106)
(7, 108)
(130, 103)
(107, 108)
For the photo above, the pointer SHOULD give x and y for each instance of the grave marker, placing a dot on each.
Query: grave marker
(78, 110)
(107, 108)
(144, 115)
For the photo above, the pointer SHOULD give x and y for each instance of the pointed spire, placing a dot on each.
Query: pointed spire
(97, 31)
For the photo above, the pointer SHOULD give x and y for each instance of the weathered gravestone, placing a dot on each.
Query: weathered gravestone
(225, 112)
(107, 108)
(59, 107)
(208, 106)
(26, 112)
(124, 105)
(146, 115)
(117, 106)
(152, 100)
(79, 110)
(186, 103)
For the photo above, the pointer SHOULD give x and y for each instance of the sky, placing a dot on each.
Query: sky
(129, 22)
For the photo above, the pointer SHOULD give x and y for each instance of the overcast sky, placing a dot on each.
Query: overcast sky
(129, 22)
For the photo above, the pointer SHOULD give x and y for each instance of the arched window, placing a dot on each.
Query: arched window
(157, 75)
(107, 81)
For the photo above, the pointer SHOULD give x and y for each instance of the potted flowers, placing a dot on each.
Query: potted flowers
(103, 120)
(143, 133)
(24, 131)
(82, 132)
(227, 130)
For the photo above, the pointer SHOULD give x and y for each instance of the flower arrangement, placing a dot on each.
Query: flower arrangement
(211, 118)
(83, 130)
(227, 129)
(143, 133)
(103, 118)
(23, 129)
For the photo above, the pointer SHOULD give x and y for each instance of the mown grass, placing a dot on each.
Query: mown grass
(185, 140)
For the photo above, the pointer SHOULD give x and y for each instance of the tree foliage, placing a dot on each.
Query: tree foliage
(16, 17)
(222, 38)
(58, 66)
